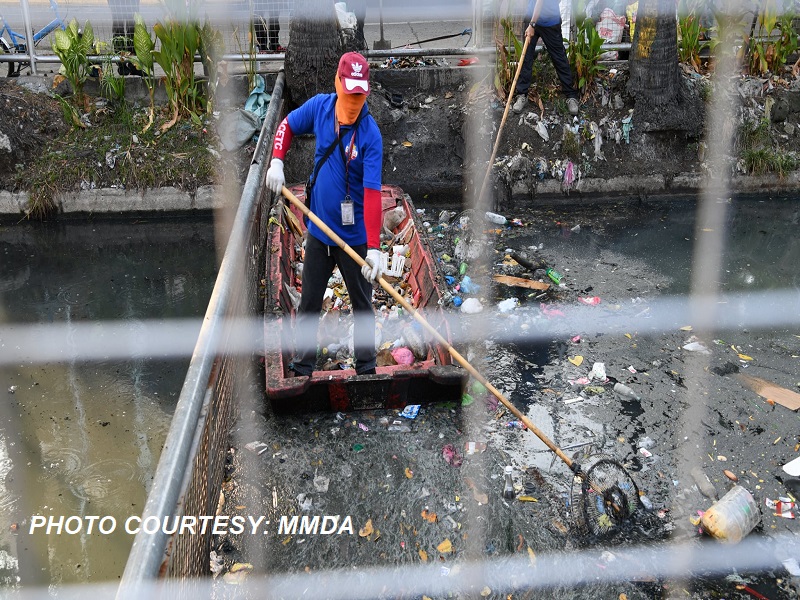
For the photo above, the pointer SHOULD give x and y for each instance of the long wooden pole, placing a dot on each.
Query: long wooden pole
(453, 352)
(505, 115)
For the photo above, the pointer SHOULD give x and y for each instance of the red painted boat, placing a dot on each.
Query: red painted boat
(432, 377)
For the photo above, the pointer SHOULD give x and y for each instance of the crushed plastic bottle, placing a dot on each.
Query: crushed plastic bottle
(495, 218)
(508, 483)
(733, 517)
(554, 275)
(471, 306)
(508, 305)
(625, 391)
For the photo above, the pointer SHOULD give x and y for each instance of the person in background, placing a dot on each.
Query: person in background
(345, 195)
(122, 24)
(359, 8)
(267, 25)
(543, 20)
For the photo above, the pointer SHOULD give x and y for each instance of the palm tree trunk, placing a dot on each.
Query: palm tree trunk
(664, 101)
(314, 50)
(654, 74)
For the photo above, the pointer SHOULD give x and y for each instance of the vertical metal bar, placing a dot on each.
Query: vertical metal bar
(477, 22)
(380, 15)
(26, 17)
(147, 553)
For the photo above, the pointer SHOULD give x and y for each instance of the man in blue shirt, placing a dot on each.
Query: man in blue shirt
(543, 20)
(346, 196)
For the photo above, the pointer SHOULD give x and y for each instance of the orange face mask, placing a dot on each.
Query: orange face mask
(348, 106)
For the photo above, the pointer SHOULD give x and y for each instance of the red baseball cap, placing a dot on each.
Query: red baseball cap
(354, 73)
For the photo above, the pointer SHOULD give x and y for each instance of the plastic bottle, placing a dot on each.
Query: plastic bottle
(733, 517)
(496, 219)
(625, 391)
(462, 268)
(508, 483)
(554, 275)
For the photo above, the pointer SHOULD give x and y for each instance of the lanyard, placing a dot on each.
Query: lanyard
(346, 159)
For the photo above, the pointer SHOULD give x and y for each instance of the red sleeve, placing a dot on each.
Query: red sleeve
(283, 139)
(373, 216)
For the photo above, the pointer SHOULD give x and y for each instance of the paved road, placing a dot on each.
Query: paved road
(403, 22)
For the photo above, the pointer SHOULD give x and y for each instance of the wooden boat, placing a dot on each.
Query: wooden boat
(432, 377)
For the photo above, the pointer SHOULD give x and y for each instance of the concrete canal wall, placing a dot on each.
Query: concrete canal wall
(429, 116)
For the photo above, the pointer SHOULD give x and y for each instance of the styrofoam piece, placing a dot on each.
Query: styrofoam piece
(398, 261)
(793, 467)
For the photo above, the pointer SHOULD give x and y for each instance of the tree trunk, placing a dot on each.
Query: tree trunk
(664, 101)
(654, 67)
(314, 50)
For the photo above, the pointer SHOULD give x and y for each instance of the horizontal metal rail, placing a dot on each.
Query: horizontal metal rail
(281, 56)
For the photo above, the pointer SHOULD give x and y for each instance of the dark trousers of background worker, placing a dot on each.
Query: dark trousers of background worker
(320, 259)
(359, 9)
(122, 23)
(554, 42)
(267, 33)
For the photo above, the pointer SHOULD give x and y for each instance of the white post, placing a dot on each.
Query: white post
(26, 17)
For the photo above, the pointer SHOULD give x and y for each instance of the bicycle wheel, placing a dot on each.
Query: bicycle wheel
(7, 50)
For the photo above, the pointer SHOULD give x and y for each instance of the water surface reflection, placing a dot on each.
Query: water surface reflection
(83, 438)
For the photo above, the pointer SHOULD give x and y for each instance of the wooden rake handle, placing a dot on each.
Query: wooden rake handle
(428, 327)
(505, 115)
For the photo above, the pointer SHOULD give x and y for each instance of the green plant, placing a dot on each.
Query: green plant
(112, 86)
(758, 152)
(766, 53)
(143, 46)
(690, 32)
(212, 47)
(766, 160)
(73, 48)
(70, 113)
(571, 145)
(753, 135)
(584, 54)
(249, 62)
(179, 40)
(507, 60)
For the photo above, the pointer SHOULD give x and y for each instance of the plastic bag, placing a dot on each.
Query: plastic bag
(347, 20)
(258, 100)
(631, 14)
(610, 27)
(238, 128)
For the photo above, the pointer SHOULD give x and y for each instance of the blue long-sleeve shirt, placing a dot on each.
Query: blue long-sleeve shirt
(548, 16)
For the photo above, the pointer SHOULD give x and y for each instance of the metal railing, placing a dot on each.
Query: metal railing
(482, 45)
(190, 471)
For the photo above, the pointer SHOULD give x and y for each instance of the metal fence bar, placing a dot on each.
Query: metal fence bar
(281, 57)
(147, 553)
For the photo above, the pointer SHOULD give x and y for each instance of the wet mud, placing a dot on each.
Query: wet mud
(689, 415)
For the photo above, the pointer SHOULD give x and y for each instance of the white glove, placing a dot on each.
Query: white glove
(372, 270)
(275, 178)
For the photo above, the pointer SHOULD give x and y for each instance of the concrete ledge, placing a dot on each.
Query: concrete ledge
(99, 200)
(687, 181)
(208, 197)
(108, 200)
(12, 203)
(650, 184)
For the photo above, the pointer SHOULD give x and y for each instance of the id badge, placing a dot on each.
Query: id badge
(348, 216)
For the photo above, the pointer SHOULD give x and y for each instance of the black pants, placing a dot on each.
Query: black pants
(122, 23)
(267, 33)
(359, 8)
(551, 36)
(320, 259)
